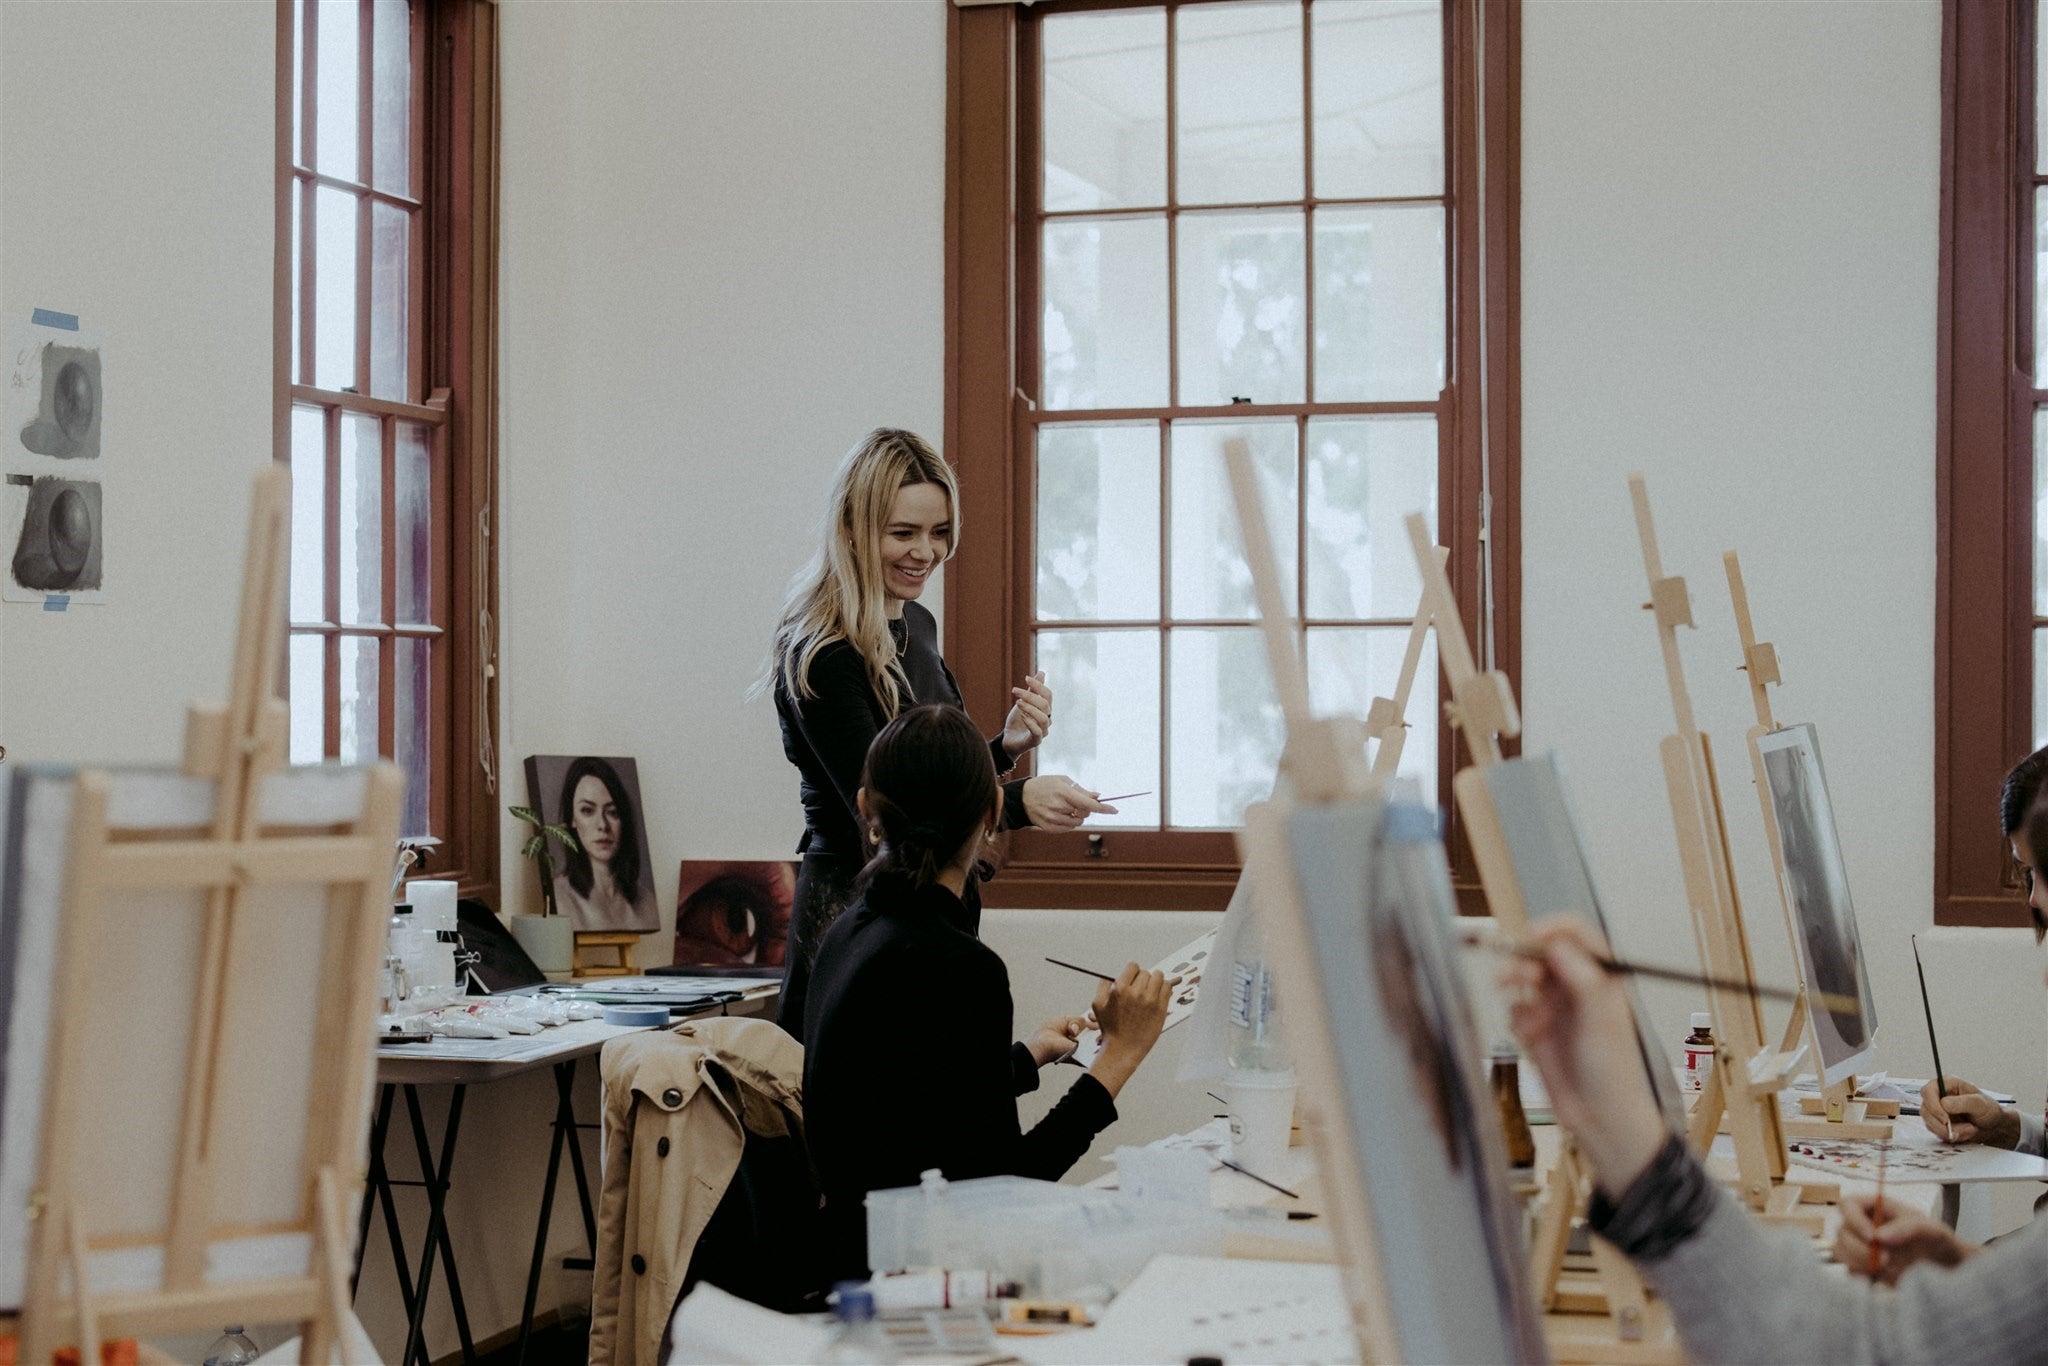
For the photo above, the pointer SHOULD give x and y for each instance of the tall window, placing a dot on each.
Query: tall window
(1259, 219)
(379, 368)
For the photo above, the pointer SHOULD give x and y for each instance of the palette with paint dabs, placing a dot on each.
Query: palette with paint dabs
(1186, 963)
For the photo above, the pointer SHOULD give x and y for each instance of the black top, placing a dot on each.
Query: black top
(877, 1112)
(827, 734)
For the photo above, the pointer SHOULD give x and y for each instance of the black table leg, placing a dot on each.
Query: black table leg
(436, 1180)
(378, 1177)
(565, 1125)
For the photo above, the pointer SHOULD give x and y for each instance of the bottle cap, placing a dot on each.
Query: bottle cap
(853, 1302)
(1703, 1019)
(402, 908)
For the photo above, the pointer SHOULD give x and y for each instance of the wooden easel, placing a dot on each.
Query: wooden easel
(237, 860)
(1843, 1116)
(1747, 1074)
(1482, 707)
(618, 943)
(1386, 720)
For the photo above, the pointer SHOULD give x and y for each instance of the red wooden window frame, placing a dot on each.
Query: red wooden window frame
(1984, 472)
(449, 391)
(991, 373)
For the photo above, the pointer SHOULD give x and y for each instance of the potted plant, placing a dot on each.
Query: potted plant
(548, 939)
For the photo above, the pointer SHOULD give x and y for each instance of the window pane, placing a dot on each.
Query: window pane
(1242, 312)
(2041, 286)
(390, 300)
(1098, 522)
(307, 700)
(1105, 109)
(361, 535)
(1237, 77)
(334, 288)
(2040, 688)
(1226, 731)
(294, 364)
(298, 81)
(391, 94)
(1211, 579)
(1104, 329)
(1380, 303)
(338, 57)
(412, 705)
(2040, 103)
(1377, 70)
(1348, 667)
(1365, 475)
(359, 696)
(309, 515)
(413, 475)
(1105, 733)
(2040, 514)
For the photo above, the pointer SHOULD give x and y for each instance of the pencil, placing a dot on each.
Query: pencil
(1940, 1078)
(1059, 963)
(1824, 1000)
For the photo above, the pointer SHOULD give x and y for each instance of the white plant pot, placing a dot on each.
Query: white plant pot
(549, 940)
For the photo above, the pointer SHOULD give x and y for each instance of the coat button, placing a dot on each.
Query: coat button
(661, 1148)
(639, 1265)
(671, 1097)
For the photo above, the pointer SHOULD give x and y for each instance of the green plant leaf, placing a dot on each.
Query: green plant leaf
(565, 835)
(525, 813)
(533, 847)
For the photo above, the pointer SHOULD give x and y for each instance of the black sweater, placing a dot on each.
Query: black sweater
(887, 1097)
(827, 734)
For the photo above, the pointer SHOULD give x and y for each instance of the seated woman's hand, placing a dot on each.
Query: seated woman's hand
(1057, 802)
(1576, 1024)
(1966, 1115)
(1904, 1239)
(1055, 1038)
(1131, 1012)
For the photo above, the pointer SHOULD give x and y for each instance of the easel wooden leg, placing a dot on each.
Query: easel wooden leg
(81, 1292)
(322, 1332)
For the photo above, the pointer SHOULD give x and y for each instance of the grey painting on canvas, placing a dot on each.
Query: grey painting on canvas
(1817, 888)
(1554, 878)
(1377, 902)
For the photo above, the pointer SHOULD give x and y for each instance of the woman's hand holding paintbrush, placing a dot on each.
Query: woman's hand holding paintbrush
(1953, 1109)
(1881, 1238)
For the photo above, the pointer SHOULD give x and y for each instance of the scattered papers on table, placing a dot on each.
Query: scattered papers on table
(1184, 1307)
(514, 1048)
(1914, 1156)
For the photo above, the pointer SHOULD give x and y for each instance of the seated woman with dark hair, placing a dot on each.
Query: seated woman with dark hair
(909, 1056)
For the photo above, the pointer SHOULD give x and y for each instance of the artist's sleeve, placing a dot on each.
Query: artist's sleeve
(2033, 1135)
(1740, 1292)
(978, 1059)
(838, 719)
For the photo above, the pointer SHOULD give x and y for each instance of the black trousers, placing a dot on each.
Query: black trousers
(824, 884)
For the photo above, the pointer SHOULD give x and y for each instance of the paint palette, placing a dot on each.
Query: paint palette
(1186, 963)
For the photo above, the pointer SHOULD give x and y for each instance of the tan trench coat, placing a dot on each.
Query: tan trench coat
(678, 1104)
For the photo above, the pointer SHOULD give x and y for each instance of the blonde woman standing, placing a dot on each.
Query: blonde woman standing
(854, 648)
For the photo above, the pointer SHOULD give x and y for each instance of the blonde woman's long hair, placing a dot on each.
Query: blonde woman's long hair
(839, 594)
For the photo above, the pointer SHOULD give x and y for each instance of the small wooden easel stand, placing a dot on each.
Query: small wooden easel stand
(1636, 1326)
(618, 943)
(1386, 720)
(114, 879)
(1843, 1116)
(1747, 1075)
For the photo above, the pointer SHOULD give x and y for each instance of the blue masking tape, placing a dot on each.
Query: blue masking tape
(639, 1017)
(56, 602)
(49, 317)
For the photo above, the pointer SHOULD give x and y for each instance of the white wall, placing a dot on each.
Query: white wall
(137, 179)
(1728, 281)
(722, 265)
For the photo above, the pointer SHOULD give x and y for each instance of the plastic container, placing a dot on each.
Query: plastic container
(231, 1348)
(860, 1339)
(1059, 1242)
(1254, 1038)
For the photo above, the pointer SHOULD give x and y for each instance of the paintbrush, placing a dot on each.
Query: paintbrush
(1877, 1213)
(1822, 1000)
(1940, 1078)
(1076, 967)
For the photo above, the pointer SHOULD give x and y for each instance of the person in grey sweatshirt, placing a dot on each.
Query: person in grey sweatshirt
(1738, 1291)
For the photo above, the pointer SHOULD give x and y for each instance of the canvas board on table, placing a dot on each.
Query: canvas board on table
(606, 884)
(1817, 888)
